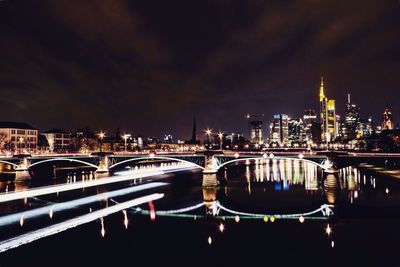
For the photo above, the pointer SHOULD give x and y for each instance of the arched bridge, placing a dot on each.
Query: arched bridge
(209, 163)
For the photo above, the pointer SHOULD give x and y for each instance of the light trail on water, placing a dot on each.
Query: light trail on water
(53, 208)
(71, 223)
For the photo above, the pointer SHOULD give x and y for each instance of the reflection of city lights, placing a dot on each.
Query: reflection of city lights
(209, 240)
(328, 230)
(301, 219)
(221, 227)
(237, 218)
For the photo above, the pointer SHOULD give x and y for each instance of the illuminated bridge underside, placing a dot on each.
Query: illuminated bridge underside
(321, 213)
(195, 161)
(63, 159)
(224, 161)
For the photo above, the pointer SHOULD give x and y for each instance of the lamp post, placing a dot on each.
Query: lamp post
(101, 136)
(125, 137)
(220, 135)
(208, 133)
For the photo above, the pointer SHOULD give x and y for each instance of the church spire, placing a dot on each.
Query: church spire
(321, 89)
(194, 131)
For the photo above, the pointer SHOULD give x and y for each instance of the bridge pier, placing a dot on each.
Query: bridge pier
(22, 176)
(210, 178)
(103, 163)
(23, 163)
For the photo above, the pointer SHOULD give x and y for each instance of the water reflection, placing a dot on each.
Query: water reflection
(209, 200)
(286, 172)
(282, 175)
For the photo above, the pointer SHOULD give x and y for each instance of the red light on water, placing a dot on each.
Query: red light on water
(152, 211)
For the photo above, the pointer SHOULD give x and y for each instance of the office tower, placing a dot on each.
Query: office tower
(256, 136)
(327, 116)
(309, 118)
(352, 118)
(279, 129)
(295, 130)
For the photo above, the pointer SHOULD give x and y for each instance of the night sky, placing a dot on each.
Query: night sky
(149, 66)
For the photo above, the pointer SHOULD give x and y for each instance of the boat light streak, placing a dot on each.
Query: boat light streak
(71, 223)
(13, 218)
(4, 197)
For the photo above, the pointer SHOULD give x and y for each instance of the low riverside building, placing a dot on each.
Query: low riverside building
(17, 136)
(57, 139)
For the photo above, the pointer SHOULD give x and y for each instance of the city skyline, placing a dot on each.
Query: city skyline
(148, 67)
(265, 131)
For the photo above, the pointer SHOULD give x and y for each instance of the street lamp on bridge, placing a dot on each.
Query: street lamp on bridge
(101, 137)
(125, 137)
(220, 135)
(208, 133)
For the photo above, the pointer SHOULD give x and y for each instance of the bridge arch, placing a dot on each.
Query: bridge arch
(322, 166)
(10, 163)
(156, 157)
(63, 159)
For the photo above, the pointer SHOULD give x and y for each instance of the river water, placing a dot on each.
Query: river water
(262, 213)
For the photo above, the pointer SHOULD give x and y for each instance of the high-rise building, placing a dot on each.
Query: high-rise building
(352, 118)
(279, 129)
(309, 118)
(327, 116)
(295, 130)
(342, 130)
(387, 123)
(364, 128)
(256, 130)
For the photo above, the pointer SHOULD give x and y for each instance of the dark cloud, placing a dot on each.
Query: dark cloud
(148, 66)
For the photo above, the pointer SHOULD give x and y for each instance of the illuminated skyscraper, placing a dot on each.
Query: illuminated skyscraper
(295, 130)
(309, 118)
(279, 129)
(352, 118)
(328, 115)
(256, 136)
(387, 123)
